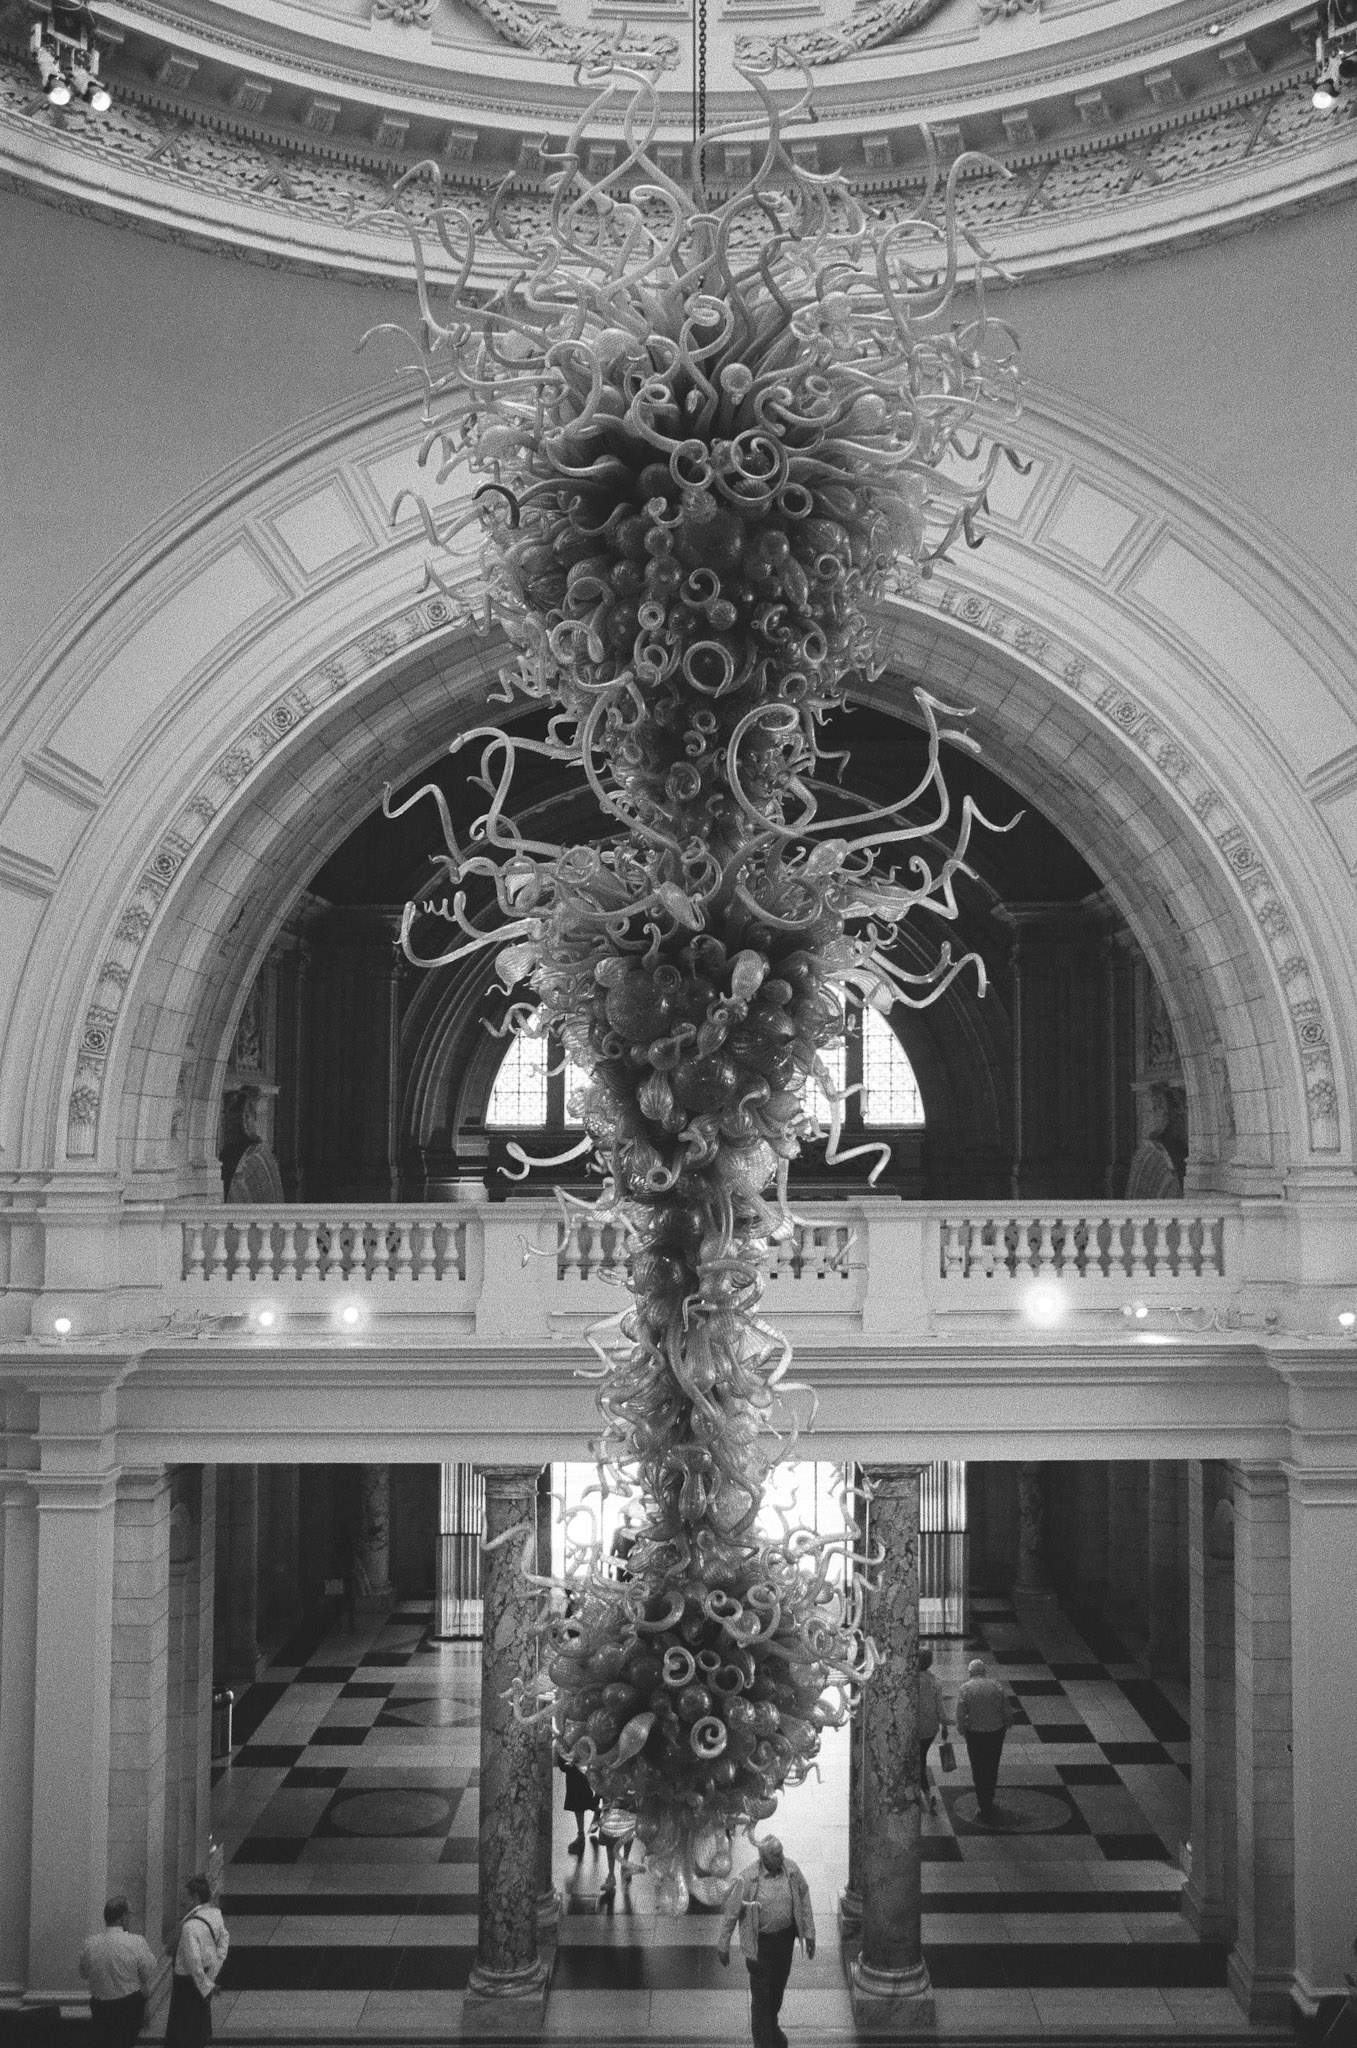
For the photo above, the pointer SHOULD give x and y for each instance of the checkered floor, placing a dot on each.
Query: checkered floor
(348, 1819)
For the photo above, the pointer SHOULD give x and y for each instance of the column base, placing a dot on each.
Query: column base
(380, 1602)
(850, 1913)
(891, 2001)
(1207, 1918)
(510, 2003)
(1262, 1995)
(548, 1929)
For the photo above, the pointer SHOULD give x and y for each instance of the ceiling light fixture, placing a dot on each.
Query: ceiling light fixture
(1045, 1304)
(62, 45)
(62, 1326)
(351, 1315)
(1347, 1319)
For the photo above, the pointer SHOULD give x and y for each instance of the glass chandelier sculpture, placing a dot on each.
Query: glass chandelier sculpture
(709, 433)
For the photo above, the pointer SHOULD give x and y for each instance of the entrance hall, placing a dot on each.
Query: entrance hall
(346, 1820)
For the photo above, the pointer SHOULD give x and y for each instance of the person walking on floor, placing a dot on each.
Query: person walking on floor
(983, 1716)
(771, 1903)
(616, 1831)
(932, 1722)
(580, 1798)
(118, 1967)
(199, 1953)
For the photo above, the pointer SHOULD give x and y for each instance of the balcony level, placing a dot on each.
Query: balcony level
(918, 1329)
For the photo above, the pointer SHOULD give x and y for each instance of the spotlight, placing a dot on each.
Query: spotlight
(1347, 1319)
(1044, 1304)
(62, 1326)
(63, 49)
(1328, 86)
(351, 1315)
(266, 1318)
(1135, 1311)
(1213, 28)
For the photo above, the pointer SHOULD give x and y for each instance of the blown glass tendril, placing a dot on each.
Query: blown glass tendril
(708, 435)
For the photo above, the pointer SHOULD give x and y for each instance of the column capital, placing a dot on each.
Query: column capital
(510, 1482)
(891, 1479)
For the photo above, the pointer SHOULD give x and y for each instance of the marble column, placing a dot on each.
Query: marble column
(236, 1638)
(374, 1538)
(1262, 1961)
(1209, 1897)
(1166, 1643)
(506, 1992)
(139, 1691)
(889, 1980)
(850, 1898)
(188, 1731)
(1031, 1574)
(548, 1898)
(18, 1654)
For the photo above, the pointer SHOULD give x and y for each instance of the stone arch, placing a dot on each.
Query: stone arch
(243, 761)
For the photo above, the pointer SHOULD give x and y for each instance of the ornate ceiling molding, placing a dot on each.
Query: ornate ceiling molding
(1178, 176)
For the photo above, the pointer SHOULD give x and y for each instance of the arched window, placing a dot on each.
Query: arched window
(527, 1093)
(869, 1053)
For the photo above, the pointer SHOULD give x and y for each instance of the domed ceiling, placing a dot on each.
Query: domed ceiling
(1125, 125)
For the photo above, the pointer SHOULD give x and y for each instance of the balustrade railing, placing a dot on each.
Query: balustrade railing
(291, 1245)
(905, 1261)
(1079, 1244)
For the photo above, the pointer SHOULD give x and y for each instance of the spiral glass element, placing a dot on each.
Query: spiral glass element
(708, 436)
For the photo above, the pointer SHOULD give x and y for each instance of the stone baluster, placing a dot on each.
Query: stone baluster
(507, 1988)
(891, 1991)
(195, 1252)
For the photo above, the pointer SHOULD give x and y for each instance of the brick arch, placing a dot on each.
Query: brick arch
(211, 798)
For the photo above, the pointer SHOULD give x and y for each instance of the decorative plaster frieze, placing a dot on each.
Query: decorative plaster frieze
(868, 28)
(568, 43)
(405, 13)
(1175, 767)
(350, 665)
(138, 163)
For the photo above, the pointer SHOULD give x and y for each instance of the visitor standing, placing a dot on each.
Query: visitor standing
(932, 1722)
(199, 1953)
(616, 1831)
(983, 1716)
(118, 1967)
(771, 1902)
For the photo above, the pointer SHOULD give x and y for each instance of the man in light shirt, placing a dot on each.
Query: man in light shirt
(118, 1967)
(772, 1905)
(982, 1717)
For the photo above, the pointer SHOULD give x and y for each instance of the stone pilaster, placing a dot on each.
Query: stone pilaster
(889, 1980)
(374, 1538)
(507, 1988)
(1126, 1513)
(1323, 1490)
(139, 1685)
(189, 1717)
(72, 1691)
(1261, 1963)
(1031, 1576)
(1090, 1549)
(18, 1654)
(279, 1525)
(236, 1640)
(1166, 1645)
(1209, 1899)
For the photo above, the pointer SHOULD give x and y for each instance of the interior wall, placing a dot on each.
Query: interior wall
(133, 370)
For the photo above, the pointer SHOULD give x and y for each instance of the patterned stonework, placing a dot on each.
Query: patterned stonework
(867, 28)
(234, 766)
(1166, 755)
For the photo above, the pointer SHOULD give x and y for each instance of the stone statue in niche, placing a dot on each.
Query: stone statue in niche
(249, 1170)
(1160, 1157)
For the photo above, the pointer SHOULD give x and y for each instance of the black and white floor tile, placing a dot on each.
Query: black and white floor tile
(348, 1817)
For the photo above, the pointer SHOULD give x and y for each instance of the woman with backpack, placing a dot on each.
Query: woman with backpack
(199, 1952)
